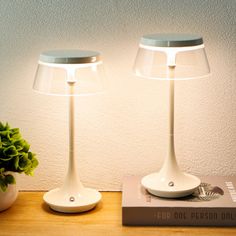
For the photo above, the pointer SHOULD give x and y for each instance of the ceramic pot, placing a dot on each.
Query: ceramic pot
(8, 198)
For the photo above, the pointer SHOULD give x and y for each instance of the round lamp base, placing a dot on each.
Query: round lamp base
(74, 203)
(180, 186)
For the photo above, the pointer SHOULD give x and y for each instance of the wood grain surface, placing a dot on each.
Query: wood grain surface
(31, 216)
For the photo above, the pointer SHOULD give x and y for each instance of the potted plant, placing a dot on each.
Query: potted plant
(15, 157)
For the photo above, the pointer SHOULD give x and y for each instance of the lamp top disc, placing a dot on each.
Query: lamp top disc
(69, 57)
(171, 40)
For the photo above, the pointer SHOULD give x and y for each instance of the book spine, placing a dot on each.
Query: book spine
(169, 216)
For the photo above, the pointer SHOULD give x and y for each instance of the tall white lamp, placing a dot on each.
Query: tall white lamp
(70, 73)
(171, 57)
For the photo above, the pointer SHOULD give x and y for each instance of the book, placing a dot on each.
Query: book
(213, 203)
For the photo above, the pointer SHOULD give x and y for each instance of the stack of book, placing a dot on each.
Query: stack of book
(212, 204)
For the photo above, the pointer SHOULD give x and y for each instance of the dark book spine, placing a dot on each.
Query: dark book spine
(173, 216)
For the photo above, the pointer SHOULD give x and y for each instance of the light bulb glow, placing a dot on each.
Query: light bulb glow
(190, 62)
(65, 66)
(171, 49)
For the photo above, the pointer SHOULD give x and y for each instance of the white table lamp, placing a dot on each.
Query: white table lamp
(171, 57)
(70, 73)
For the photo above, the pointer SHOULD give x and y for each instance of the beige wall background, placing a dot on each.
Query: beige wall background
(123, 132)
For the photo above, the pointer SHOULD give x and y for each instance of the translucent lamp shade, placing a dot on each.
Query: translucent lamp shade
(185, 52)
(56, 69)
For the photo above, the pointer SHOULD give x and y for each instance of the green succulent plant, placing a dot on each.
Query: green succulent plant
(14, 155)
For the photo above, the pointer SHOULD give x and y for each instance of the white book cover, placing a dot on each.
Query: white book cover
(212, 204)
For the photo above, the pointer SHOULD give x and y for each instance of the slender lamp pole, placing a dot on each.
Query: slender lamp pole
(72, 181)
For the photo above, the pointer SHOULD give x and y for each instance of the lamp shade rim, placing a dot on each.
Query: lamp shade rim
(171, 40)
(86, 94)
(168, 79)
(69, 57)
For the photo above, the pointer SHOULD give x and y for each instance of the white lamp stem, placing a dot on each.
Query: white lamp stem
(72, 162)
(72, 182)
(170, 165)
(171, 109)
(171, 141)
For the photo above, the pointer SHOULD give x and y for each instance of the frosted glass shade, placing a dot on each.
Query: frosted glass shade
(57, 68)
(157, 52)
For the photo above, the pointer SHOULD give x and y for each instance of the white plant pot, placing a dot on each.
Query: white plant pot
(8, 198)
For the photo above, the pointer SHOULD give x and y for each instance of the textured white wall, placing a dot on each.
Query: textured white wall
(124, 131)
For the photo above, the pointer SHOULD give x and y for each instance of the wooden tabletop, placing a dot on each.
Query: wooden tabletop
(30, 216)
